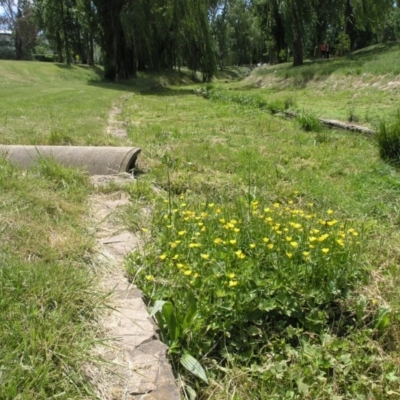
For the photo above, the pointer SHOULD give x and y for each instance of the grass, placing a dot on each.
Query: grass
(261, 322)
(365, 83)
(49, 299)
(227, 150)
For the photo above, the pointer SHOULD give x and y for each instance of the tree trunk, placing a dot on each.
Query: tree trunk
(297, 43)
(64, 25)
(91, 50)
(349, 24)
(59, 47)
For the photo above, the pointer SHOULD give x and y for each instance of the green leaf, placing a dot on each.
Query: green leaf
(193, 366)
(190, 392)
(158, 305)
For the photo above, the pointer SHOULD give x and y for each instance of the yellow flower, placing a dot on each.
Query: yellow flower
(354, 233)
(181, 233)
(193, 245)
(169, 226)
(183, 205)
(197, 234)
(325, 250)
(270, 246)
(294, 244)
(173, 245)
(290, 202)
(252, 245)
(312, 246)
(265, 240)
(200, 224)
(232, 283)
(340, 242)
(231, 276)
(203, 229)
(218, 241)
(267, 209)
(180, 265)
(297, 226)
(196, 275)
(276, 205)
(175, 257)
(232, 241)
(269, 219)
(178, 241)
(315, 231)
(333, 222)
(236, 230)
(211, 205)
(288, 238)
(205, 256)
(306, 253)
(218, 211)
(290, 255)
(145, 230)
(222, 220)
(150, 278)
(330, 212)
(323, 237)
(240, 254)
(188, 272)
(163, 257)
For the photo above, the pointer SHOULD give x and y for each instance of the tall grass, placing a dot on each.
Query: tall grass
(388, 140)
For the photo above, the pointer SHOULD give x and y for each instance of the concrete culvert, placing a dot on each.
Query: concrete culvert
(101, 160)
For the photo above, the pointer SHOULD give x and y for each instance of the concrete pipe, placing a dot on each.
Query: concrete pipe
(94, 160)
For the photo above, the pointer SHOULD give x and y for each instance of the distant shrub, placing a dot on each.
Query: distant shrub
(7, 53)
(343, 44)
(309, 122)
(44, 57)
(388, 139)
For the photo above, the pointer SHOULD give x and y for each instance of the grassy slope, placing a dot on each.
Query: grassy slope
(45, 103)
(365, 84)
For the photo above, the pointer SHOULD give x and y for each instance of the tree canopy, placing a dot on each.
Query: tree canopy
(202, 35)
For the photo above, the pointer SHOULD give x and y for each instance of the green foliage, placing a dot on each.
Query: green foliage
(343, 44)
(308, 122)
(225, 274)
(243, 98)
(388, 140)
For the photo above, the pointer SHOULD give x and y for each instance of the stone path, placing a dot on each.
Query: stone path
(134, 364)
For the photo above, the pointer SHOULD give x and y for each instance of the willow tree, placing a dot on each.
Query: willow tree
(360, 15)
(164, 34)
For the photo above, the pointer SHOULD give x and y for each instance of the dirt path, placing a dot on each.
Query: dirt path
(134, 364)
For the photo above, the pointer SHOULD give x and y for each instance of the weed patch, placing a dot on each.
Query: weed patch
(388, 140)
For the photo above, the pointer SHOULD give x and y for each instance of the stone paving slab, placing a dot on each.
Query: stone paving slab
(136, 366)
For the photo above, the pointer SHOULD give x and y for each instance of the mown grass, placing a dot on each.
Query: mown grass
(230, 152)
